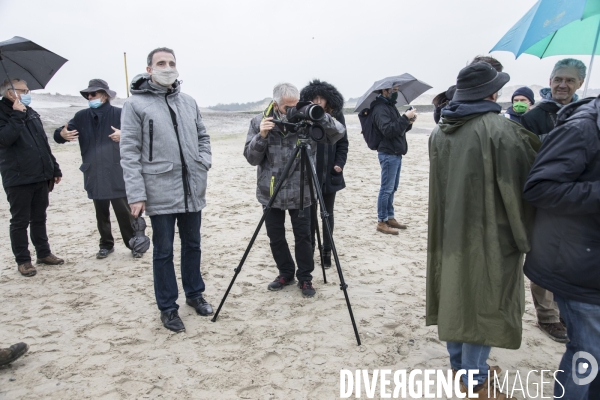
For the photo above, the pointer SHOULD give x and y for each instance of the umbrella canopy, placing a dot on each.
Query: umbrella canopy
(409, 89)
(555, 27)
(23, 59)
(139, 243)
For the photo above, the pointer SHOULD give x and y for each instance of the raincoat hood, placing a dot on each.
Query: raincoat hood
(142, 83)
(456, 114)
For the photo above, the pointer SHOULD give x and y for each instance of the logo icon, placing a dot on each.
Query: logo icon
(588, 365)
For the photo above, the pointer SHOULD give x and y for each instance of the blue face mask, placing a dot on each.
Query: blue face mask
(95, 103)
(26, 99)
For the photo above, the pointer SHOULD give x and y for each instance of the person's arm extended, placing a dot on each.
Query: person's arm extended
(565, 155)
(66, 133)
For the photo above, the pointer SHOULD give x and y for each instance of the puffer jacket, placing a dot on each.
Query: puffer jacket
(164, 163)
(25, 155)
(271, 155)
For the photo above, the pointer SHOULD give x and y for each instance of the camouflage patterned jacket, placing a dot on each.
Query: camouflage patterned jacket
(271, 155)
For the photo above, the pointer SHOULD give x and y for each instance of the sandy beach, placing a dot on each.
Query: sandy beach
(94, 330)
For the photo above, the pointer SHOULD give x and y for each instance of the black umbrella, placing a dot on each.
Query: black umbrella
(140, 243)
(23, 59)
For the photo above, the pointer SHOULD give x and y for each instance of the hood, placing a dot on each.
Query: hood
(334, 98)
(143, 84)
(511, 111)
(456, 114)
(586, 108)
(546, 94)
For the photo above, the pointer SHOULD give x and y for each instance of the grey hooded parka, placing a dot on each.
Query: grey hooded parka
(164, 164)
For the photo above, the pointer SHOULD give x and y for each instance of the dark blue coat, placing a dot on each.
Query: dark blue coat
(564, 186)
(100, 155)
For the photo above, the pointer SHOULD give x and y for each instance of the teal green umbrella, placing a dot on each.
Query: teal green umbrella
(556, 27)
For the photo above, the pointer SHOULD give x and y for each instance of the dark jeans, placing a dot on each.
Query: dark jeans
(165, 281)
(28, 204)
(124, 218)
(390, 179)
(329, 199)
(275, 223)
(583, 328)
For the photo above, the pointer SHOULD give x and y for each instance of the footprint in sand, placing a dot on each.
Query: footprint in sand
(272, 361)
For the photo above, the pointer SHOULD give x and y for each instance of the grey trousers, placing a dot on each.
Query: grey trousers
(545, 306)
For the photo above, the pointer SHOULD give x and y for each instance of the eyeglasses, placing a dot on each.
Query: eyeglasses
(22, 91)
(93, 94)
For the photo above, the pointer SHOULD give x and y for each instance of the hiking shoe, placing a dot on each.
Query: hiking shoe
(327, 259)
(482, 392)
(12, 353)
(279, 283)
(27, 269)
(395, 224)
(50, 259)
(307, 288)
(171, 321)
(555, 331)
(200, 305)
(135, 254)
(103, 253)
(385, 228)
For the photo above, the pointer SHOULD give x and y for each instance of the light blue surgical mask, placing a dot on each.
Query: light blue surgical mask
(95, 103)
(26, 99)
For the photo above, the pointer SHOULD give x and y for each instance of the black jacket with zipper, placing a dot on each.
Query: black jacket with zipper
(330, 155)
(391, 125)
(25, 155)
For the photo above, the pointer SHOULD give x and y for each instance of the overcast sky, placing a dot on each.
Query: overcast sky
(236, 51)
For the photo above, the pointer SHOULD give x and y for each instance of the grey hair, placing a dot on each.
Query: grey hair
(570, 62)
(6, 85)
(285, 90)
(159, 50)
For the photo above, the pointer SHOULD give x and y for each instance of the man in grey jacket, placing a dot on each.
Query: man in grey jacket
(269, 148)
(165, 155)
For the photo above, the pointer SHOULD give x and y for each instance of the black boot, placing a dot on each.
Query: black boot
(171, 321)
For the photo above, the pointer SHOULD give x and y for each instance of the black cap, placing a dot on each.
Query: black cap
(96, 85)
(478, 81)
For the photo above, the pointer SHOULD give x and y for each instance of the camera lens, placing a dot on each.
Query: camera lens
(315, 112)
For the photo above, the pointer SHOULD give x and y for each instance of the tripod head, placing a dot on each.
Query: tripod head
(306, 129)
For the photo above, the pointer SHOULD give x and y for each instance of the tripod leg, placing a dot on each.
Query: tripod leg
(237, 270)
(315, 223)
(327, 231)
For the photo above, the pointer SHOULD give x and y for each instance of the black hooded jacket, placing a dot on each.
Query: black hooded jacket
(391, 125)
(25, 155)
(564, 186)
(329, 155)
(100, 156)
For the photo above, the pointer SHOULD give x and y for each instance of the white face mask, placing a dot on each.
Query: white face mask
(165, 76)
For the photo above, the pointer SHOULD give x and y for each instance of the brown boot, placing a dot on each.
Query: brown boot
(481, 392)
(555, 331)
(27, 269)
(385, 228)
(395, 224)
(12, 353)
(51, 259)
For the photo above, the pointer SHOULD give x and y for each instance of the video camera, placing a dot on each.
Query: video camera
(304, 118)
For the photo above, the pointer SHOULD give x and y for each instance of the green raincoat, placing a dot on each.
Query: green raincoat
(478, 228)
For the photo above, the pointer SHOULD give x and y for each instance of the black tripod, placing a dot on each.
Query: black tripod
(303, 147)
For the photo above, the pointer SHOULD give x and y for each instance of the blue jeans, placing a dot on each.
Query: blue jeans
(583, 328)
(470, 356)
(390, 178)
(165, 281)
